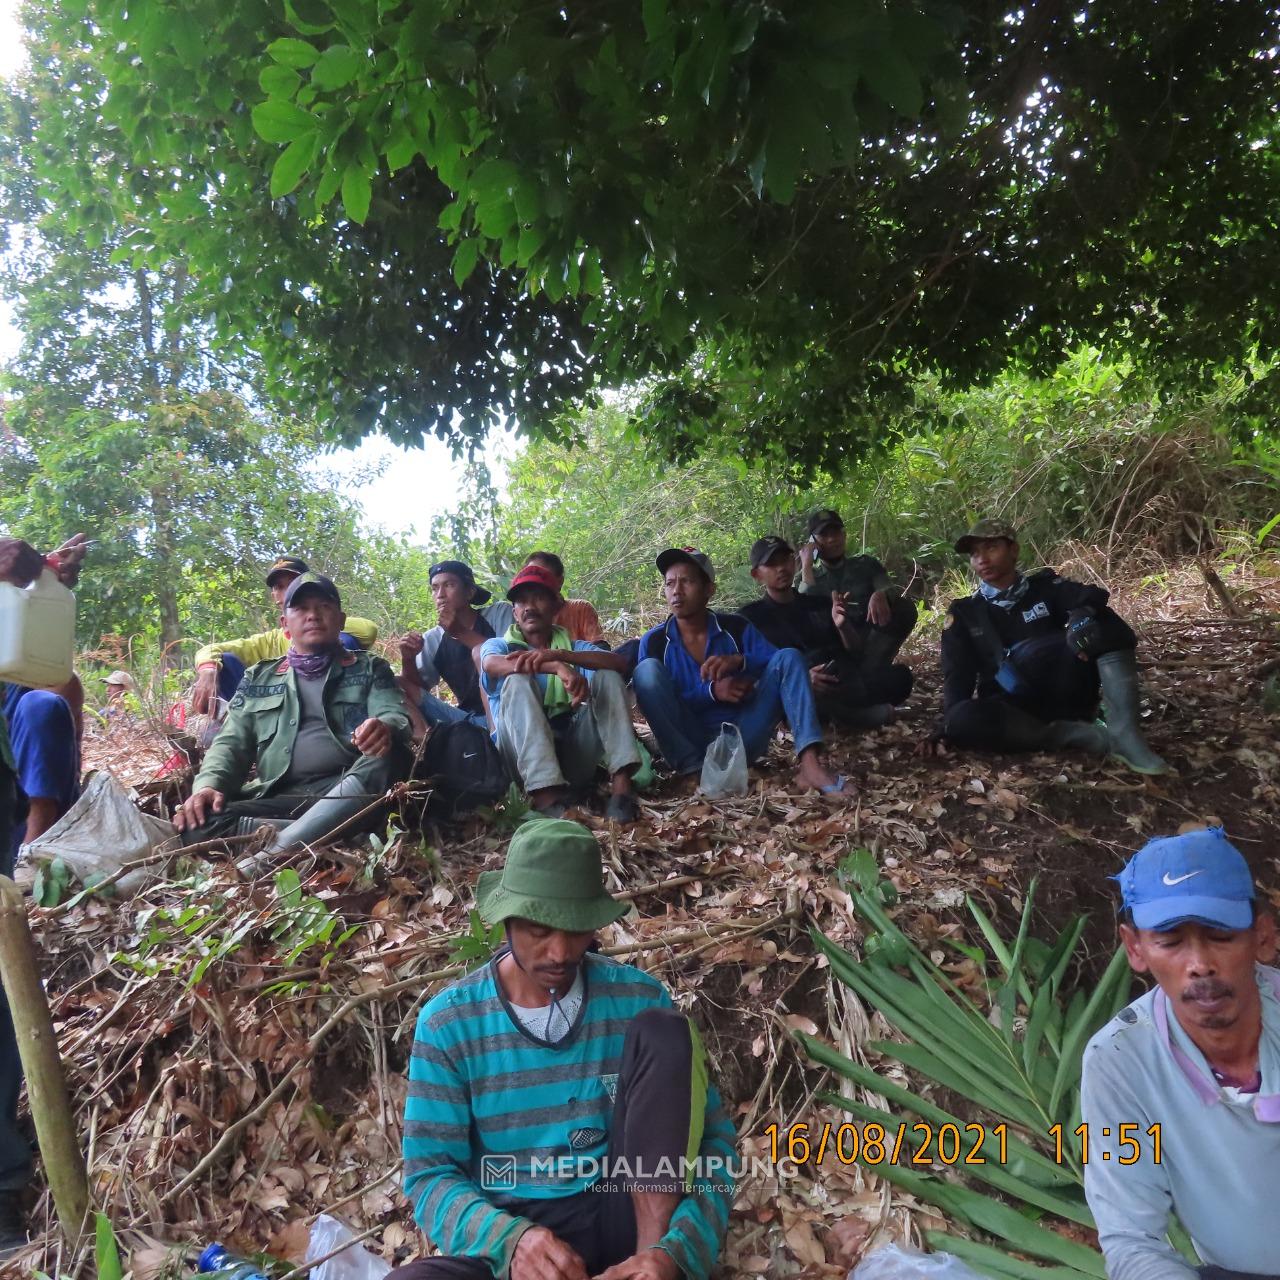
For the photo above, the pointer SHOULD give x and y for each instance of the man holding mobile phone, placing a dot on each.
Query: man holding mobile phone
(850, 690)
(879, 618)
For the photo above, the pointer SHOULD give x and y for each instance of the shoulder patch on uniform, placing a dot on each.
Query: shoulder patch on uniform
(348, 658)
(282, 666)
(237, 701)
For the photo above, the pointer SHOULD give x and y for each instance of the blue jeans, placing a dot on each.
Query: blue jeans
(436, 711)
(783, 692)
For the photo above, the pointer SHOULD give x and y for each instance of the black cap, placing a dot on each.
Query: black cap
(687, 555)
(821, 518)
(315, 582)
(463, 572)
(287, 564)
(764, 549)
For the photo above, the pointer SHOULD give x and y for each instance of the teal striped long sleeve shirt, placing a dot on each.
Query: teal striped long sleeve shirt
(487, 1102)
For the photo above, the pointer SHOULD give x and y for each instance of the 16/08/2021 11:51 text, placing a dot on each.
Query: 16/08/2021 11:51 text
(925, 1144)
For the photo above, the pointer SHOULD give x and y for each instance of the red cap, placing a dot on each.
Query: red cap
(534, 575)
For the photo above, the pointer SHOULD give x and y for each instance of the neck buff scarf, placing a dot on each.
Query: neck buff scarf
(311, 666)
(556, 697)
(1007, 598)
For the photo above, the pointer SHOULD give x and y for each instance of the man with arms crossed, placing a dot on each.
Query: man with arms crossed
(1199, 1058)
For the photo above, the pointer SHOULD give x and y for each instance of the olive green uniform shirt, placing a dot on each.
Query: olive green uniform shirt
(262, 722)
(859, 576)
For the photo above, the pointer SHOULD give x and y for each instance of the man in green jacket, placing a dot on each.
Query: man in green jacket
(325, 728)
(220, 665)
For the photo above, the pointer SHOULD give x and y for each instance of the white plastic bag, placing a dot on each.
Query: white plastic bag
(724, 767)
(353, 1263)
(896, 1263)
(100, 832)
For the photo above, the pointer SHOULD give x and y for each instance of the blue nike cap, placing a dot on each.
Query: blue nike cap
(1198, 876)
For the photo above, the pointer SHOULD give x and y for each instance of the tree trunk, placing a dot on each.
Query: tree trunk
(46, 1084)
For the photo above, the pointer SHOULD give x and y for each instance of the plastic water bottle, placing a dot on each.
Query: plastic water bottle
(214, 1259)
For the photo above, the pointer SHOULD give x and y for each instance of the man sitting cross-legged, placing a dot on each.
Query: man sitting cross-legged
(856, 686)
(559, 1122)
(325, 728)
(559, 705)
(700, 669)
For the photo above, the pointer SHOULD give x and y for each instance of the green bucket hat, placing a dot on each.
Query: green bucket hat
(552, 877)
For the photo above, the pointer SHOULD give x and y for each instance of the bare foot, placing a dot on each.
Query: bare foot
(814, 774)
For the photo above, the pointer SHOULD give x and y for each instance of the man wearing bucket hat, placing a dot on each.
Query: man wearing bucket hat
(701, 668)
(220, 666)
(466, 616)
(559, 1119)
(1024, 657)
(1180, 1093)
(559, 705)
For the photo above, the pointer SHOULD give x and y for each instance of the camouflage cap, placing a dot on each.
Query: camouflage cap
(990, 528)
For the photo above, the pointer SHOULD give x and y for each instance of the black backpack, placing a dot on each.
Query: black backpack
(464, 768)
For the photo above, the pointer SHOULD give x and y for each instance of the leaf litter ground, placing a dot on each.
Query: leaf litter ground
(238, 1072)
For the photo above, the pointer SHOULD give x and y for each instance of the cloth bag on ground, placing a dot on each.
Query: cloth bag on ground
(724, 767)
(895, 1263)
(101, 832)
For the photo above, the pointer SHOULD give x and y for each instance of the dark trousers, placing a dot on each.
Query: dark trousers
(1061, 687)
(295, 798)
(655, 1118)
(861, 687)
(15, 1154)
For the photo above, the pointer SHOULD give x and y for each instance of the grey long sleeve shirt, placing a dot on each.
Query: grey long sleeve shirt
(1219, 1167)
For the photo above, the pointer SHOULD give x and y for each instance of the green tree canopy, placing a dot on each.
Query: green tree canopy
(429, 216)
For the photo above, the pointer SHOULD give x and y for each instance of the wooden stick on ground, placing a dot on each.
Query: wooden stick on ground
(46, 1084)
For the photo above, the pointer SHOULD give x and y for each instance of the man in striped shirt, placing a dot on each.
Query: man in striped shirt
(559, 1123)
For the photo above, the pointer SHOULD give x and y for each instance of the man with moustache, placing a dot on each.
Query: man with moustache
(559, 1122)
(702, 668)
(1197, 1061)
(324, 728)
(559, 705)
(221, 665)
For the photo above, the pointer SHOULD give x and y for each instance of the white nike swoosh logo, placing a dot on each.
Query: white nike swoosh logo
(1172, 880)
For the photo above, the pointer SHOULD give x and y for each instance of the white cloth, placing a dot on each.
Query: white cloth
(554, 1021)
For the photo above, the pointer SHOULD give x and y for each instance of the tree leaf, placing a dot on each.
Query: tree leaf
(293, 52)
(278, 81)
(291, 164)
(338, 65)
(464, 260)
(357, 191)
(278, 121)
(105, 1252)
